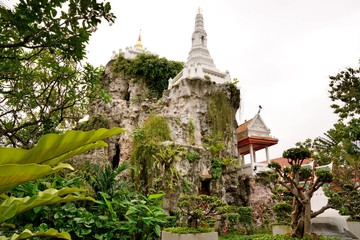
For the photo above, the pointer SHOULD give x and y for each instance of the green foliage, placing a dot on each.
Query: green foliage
(233, 220)
(245, 217)
(44, 87)
(234, 93)
(216, 168)
(156, 129)
(42, 160)
(296, 156)
(51, 26)
(296, 180)
(282, 211)
(324, 176)
(13, 206)
(267, 177)
(221, 116)
(274, 165)
(187, 187)
(187, 230)
(164, 161)
(103, 178)
(236, 219)
(345, 87)
(192, 156)
(306, 173)
(110, 217)
(191, 129)
(28, 234)
(346, 199)
(94, 122)
(198, 209)
(26, 165)
(234, 236)
(214, 144)
(154, 71)
(230, 161)
(146, 146)
(145, 217)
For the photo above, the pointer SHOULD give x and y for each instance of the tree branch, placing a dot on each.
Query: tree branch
(321, 210)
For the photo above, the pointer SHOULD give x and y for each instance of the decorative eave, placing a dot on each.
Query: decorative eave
(258, 143)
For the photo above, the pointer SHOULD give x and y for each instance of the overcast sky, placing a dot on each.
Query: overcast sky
(282, 51)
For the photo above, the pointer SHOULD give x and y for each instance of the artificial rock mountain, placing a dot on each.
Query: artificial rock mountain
(200, 113)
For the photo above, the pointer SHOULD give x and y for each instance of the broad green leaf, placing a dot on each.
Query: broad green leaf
(12, 175)
(13, 206)
(157, 230)
(54, 148)
(28, 234)
(156, 196)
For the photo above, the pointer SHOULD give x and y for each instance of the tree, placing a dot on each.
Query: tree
(345, 87)
(43, 85)
(341, 144)
(300, 183)
(198, 209)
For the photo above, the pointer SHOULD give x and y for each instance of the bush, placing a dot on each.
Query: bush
(192, 156)
(282, 212)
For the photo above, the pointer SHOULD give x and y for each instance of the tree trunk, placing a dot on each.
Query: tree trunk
(301, 218)
(307, 217)
(297, 223)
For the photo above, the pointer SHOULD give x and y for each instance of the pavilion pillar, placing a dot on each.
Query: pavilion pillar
(267, 155)
(242, 160)
(252, 158)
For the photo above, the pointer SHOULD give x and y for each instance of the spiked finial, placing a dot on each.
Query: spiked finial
(138, 44)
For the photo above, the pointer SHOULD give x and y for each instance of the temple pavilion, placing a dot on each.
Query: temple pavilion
(253, 135)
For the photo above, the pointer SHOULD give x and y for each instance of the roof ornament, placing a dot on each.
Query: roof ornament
(138, 44)
(259, 109)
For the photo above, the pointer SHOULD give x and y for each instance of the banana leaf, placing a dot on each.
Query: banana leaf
(12, 175)
(28, 234)
(13, 206)
(54, 148)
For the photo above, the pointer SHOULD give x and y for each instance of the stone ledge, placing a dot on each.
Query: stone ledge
(199, 236)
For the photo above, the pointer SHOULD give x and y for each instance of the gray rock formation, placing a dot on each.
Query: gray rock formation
(185, 104)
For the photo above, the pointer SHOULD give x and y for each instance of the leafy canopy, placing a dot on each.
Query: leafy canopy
(58, 25)
(43, 86)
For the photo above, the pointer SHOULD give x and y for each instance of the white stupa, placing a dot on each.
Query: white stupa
(199, 63)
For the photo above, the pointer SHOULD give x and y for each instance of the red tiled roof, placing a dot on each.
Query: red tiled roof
(243, 127)
(284, 162)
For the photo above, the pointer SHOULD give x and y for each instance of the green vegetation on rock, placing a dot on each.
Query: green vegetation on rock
(154, 71)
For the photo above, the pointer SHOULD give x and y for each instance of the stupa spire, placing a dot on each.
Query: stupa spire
(199, 52)
(199, 64)
(138, 44)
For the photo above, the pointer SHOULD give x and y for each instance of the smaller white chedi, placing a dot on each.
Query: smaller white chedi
(199, 63)
(132, 52)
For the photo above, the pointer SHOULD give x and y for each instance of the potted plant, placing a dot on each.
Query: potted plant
(282, 211)
(196, 212)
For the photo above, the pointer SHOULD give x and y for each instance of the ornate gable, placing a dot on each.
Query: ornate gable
(257, 127)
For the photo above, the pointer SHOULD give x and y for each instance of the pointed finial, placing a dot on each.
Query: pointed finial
(199, 10)
(259, 109)
(138, 44)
